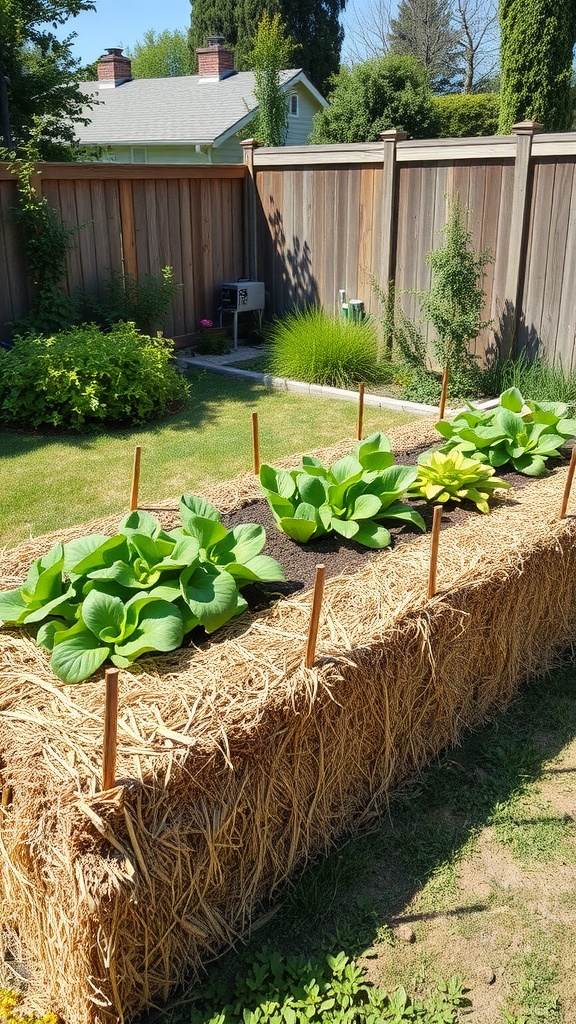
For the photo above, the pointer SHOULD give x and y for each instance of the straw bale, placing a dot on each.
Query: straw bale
(236, 763)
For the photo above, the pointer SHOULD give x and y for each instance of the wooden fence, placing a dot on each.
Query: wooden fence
(137, 219)
(328, 217)
(312, 220)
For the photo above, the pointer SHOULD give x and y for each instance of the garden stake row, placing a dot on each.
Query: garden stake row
(443, 396)
(434, 550)
(255, 444)
(110, 729)
(568, 485)
(315, 615)
(360, 411)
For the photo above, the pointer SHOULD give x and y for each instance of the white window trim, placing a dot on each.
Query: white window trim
(294, 96)
(139, 149)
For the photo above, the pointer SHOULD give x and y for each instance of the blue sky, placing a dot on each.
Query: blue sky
(123, 22)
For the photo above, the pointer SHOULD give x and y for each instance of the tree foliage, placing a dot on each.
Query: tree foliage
(313, 25)
(424, 29)
(461, 115)
(272, 52)
(160, 55)
(538, 39)
(387, 92)
(42, 72)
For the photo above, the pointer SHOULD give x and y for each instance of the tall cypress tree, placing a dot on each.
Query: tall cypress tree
(538, 38)
(424, 29)
(314, 25)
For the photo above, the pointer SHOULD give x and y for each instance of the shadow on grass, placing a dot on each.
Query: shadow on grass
(209, 391)
(352, 898)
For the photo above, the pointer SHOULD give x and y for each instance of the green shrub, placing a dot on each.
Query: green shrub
(143, 301)
(318, 348)
(213, 341)
(462, 115)
(83, 376)
(532, 377)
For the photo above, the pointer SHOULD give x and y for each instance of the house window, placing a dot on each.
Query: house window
(139, 156)
(293, 104)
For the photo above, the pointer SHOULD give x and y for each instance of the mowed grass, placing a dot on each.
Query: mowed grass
(48, 482)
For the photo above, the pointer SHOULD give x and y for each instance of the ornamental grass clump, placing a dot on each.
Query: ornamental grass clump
(98, 598)
(349, 497)
(315, 347)
(452, 477)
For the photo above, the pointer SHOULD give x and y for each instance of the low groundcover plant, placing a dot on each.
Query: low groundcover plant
(349, 497)
(99, 598)
(444, 477)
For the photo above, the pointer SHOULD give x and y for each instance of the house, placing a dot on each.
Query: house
(190, 119)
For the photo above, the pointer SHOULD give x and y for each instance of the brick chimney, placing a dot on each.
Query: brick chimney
(113, 68)
(215, 61)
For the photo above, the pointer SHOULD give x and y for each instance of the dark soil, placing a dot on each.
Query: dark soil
(340, 556)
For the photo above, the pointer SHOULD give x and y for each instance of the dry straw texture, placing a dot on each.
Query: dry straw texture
(236, 763)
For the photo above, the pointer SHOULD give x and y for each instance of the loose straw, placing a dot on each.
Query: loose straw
(135, 479)
(315, 615)
(360, 411)
(255, 443)
(434, 550)
(444, 394)
(568, 485)
(110, 729)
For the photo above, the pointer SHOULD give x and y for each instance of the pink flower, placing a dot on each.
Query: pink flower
(205, 323)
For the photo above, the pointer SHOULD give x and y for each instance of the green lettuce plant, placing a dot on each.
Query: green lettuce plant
(350, 497)
(451, 476)
(522, 432)
(102, 598)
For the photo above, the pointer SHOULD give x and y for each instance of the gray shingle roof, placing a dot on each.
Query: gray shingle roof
(187, 109)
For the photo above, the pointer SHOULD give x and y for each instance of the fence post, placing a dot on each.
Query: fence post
(521, 203)
(390, 138)
(250, 223)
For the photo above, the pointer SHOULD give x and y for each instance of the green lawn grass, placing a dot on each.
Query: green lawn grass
(50, 481)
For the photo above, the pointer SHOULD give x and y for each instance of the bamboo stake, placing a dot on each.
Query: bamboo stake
(135, 479)
(434, 550)
(568, 485)
(315, 615)
(255, 443)
(110, 729)
(444, 394)
(360, 411)
(6, 796)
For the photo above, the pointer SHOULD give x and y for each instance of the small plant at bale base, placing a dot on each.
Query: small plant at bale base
(349, 497)
(518, 431)
(117, 598)
(9, 1013)
(450, 476)
(290, 990)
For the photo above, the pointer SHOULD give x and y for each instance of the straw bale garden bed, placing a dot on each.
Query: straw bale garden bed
(235, 761)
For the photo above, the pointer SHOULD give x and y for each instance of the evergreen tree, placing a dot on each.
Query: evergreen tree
(538, 39)
(272, 52)
(424, 29)
(387, 92)
(165, 55)
(42, 74)
(313, 25)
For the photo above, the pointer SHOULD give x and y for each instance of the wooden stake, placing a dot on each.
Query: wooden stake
(434, 550)
(110, 729)
(315, 616)
(255, 443)
(360, 411)
(568, 485)
(442, 408)
(135, 479)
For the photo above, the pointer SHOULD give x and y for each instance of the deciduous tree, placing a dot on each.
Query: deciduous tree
(272, 52)
(160, 55)
(425, 29)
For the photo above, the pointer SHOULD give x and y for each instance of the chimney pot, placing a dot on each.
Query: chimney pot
(114, 68)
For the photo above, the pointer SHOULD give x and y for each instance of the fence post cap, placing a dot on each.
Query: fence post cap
(527, 128)
(394, 135)
(249, 143)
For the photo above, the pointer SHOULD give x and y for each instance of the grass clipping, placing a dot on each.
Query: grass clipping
(236, 763)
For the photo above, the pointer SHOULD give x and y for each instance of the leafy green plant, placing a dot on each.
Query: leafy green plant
(213, 341)
(349, 497)
(290, 990)
(522, 432)
(532, 377)
(318, 348)
(452, 477)
(142, 590)
(10, 1013)
(84, 376)
(144, 301)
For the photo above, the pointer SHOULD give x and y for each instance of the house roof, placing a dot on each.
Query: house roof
(187, 109)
